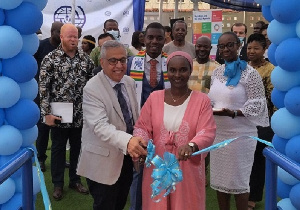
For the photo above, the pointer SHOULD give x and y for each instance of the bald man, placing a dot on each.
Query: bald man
(64, 73)
(203, 66)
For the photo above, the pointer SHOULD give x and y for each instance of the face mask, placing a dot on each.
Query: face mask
(40, 36)
(241, 39)
(115, 34)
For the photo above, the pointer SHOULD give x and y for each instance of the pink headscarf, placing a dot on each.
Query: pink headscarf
(183, 54)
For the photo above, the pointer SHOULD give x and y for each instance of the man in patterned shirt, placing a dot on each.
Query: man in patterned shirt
(203, 66)
(64, 72)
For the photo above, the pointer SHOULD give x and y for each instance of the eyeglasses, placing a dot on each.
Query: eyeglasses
(256, 28)
(114, 61)
(229, 45)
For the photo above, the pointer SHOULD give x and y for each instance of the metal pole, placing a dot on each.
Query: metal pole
(176, 9)
(160, 11)
(73, 12)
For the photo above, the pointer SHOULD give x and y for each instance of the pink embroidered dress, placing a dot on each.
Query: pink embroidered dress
(197, 126)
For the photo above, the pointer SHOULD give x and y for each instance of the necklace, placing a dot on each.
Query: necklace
(175, 100)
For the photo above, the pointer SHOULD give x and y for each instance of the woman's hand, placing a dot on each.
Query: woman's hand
(224, 112)
(184, 152)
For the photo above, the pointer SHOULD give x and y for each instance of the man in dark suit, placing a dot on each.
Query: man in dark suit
(110, 109)
(240, 29)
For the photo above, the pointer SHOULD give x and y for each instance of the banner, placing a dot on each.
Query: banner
(90, 15)
(239, 5)
(208, 23)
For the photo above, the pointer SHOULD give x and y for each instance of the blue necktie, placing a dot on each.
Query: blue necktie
(124, 108)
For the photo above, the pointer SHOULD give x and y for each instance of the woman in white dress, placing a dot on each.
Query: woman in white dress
(238, 98)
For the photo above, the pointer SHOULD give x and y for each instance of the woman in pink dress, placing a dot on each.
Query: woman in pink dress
(179, 121)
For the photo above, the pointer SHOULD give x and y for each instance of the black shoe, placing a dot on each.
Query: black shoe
(79, 188)
(43, 166)
(67, 164)
(58, 193)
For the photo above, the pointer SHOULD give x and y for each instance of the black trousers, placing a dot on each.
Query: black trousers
(42, 141)
(257, 177)
(59, 138)
(113, 197)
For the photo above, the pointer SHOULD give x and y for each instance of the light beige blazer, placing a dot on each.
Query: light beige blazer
(104, 137)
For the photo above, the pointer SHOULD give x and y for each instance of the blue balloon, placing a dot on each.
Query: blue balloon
(279, 143)
(284, 124)
(18, 182)
(21, 68)
(27, 18)
(285, 204)
(271, 53)
(292, 102)
(2, 117)
(10, 4)
(286, 31)
(14, 203)
(266, 11)
(284, 80)
(10, 140)
(285, 12)
(2, 17)
(9, 92)
(283, 190)
(11, 42)
(29, 89)
(29, 136)
(292, 149)
(287, 178)
(41, 4)
(287, 54)
(7, 190)
(294, 196)
(30, 43)
(23, 115)
(277, 98)
(298, 28)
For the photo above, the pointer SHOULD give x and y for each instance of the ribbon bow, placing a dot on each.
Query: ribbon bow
(166, 174)
(150, 153)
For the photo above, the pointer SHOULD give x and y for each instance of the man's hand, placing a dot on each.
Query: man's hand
(136, 147)
(50, 119)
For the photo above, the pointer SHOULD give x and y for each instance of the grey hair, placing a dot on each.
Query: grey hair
(110, 44)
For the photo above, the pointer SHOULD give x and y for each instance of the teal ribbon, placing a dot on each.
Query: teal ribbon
(166, 174)
(45, 195)
(228, 141)
(150, 153)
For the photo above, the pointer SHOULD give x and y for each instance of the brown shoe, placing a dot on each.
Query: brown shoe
(58, 193)
(79, 188)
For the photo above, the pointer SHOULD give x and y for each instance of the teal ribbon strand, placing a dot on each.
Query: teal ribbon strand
(45, 195)
(150, 153)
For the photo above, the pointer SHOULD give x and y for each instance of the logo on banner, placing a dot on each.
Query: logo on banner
(107, 13)
(126, 30)
(64, 13)
(126, 13)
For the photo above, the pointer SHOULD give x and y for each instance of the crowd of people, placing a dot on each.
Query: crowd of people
(163, 88)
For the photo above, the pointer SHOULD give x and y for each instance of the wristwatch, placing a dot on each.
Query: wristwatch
(192, 144)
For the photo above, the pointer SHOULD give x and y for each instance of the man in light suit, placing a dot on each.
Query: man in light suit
(107, 139)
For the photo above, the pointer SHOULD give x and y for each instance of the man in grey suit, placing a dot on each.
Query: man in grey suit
(110, 109)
